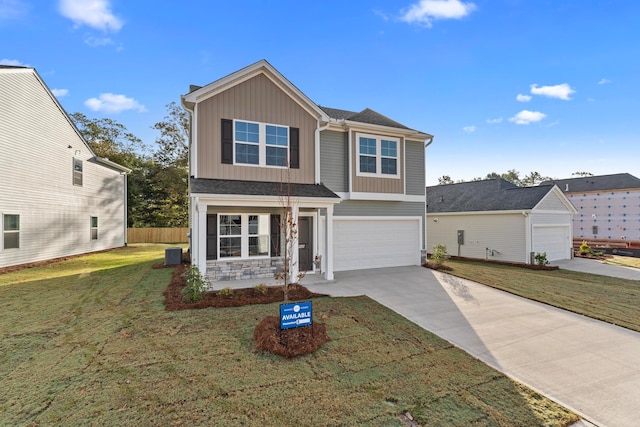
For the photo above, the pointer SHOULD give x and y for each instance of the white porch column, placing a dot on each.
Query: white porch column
(293, 262)
(328, 270)
(200, 238)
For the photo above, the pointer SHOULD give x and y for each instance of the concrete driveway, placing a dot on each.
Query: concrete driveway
(595, 266)
(591, 367)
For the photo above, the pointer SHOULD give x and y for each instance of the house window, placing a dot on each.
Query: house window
(377, 156)
(77, 172)
(94, 228)
(243, 235)
(261, 144)
(11, 231)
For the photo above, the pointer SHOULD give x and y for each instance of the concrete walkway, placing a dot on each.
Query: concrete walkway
(591, 367)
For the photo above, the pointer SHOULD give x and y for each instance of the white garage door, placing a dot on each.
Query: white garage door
(552, 240)
(375, 243)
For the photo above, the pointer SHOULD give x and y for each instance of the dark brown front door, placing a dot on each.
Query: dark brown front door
(305, 243)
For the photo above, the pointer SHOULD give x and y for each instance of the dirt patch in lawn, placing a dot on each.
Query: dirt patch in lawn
(267, 335)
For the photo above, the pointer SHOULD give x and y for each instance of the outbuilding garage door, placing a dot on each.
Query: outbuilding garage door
(375, 243)
(552, 240)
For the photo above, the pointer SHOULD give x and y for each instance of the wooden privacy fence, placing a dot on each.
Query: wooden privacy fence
(157, 235)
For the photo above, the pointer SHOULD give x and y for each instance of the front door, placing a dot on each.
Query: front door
(305, 243)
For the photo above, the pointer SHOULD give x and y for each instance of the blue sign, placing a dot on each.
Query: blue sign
(295, 315)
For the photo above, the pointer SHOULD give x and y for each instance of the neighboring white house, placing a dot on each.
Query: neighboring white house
(497, 220)
(608, 205)
(56, 197)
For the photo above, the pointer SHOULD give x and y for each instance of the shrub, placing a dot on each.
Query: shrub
(261, 288)
(196, 285)
(541, 258)
(439, 254)
(225, 292)
(585, 249)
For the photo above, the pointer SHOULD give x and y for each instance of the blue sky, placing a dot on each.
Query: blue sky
(532, 85)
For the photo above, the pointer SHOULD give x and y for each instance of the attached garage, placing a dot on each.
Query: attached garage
(362, 243)
(554, 240)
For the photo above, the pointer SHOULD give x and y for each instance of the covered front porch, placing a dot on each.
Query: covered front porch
(238, 237)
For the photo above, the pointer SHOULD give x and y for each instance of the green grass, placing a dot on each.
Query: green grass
(604, 298)
(88, 342)
(624, 261)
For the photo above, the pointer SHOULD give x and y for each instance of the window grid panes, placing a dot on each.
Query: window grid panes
(11, 235)
(77, 172)
(230, 236)
(378, 156)
(367, 155)
(261, 144)
(258, 235)
(94, 228)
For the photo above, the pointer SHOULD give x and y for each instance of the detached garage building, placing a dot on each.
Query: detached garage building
(495, 219)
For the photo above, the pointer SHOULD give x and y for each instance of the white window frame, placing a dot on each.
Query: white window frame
(4, 232)
(244, 235)
(92, 228)
(262, 145)
(78, 173)
(378, 156)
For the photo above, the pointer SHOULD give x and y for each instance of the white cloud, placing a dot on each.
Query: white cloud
(59, 93)
(14, 62)
(526, 117)
(12, 9)
(89, 40)
(494, 121)
(469, 129)
(425, 11)
(604, 81)
(93, 13)
(562, 91)
(523, 98)
(112, 103)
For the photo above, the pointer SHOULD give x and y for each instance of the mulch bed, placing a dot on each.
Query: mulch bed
(267, 335)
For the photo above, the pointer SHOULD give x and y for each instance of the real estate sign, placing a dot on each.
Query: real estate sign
(295, 315)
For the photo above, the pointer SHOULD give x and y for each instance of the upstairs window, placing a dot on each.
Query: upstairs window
(261, 144)
(77, 172)
(11, 231)
(377, 156)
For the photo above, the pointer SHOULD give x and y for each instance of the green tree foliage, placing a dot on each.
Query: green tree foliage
(158, 183)
(512, 175)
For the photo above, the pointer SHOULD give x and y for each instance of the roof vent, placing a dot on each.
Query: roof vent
(567, 187)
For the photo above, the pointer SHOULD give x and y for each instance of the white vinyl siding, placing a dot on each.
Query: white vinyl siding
(37, 147)
(486, 236)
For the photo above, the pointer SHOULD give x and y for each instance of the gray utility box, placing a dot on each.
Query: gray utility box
(173, 256)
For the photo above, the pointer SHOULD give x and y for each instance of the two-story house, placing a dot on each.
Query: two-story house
(57, 198)
(353, 181)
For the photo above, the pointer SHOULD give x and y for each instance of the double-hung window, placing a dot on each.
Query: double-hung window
(94, 228)
(260, 144)
(77, 172)
(243, 235)
(10, 231)
(377, 156)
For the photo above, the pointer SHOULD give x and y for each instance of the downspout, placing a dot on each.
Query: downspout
(189, 206)
(126, 207)
(317, 149)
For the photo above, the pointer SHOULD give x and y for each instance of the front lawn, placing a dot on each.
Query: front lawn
(604, 298)
(89, 342)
